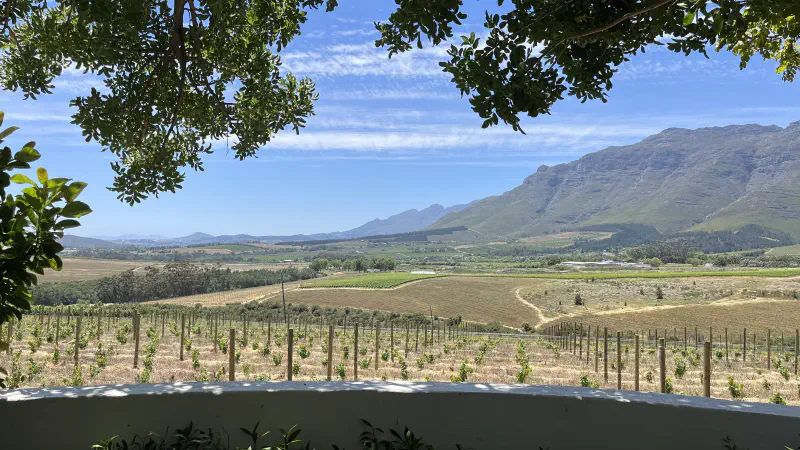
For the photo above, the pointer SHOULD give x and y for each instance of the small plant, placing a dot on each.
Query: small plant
(385, 354)
(463, 372)
(276, 359)
(659, 293)
(649, 376)
(362, 351)
(578, 300)
(734, 388)
(586, 382)
(303, 351)
(195, 359)
(777, 399)
(680, 368)
(766, 384)
(173, 328)
(404, 369)
(76, 379)
(668, 385)
(56, 355)
(340, 370)
(784, 373)
(345, 352)
(296, 368)
(246, 370)
(364, 363)
(265, 351)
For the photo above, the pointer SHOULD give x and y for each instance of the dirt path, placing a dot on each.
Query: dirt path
(346, 288)
(724, 302)
(540, 317)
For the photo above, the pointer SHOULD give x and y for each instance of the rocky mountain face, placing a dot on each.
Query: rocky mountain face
(718, 178)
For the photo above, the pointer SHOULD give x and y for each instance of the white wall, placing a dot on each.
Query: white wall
(477, 416)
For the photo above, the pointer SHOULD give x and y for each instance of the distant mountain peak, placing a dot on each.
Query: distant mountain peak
(716, 178)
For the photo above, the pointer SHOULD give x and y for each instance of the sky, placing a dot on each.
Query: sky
(392, 134)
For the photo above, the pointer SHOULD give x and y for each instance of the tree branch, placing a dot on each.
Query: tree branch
(618, 21)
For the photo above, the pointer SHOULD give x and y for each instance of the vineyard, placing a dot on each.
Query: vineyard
(57, 347)
(371, 281)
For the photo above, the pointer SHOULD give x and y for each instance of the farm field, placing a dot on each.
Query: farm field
(789, 250)
(414, 353)
(372, 281)
(78, 269)
(732, 302)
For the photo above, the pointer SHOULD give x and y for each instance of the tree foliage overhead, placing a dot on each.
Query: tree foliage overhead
(539, 50)
(182, 74)
(179, 74)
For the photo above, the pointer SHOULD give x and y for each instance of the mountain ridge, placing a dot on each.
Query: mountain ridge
(403, 222)
(715, 178)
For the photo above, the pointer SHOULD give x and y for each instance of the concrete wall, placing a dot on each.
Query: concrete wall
(477, 416)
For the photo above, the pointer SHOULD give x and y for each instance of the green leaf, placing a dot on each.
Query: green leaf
(689, 17)
(75, 209)
(4, 134)
(27, 154)
(67, 223)
(72, 191)
(41, 174)
(22, 179)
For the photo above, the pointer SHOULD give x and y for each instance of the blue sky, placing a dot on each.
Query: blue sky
(393, 134)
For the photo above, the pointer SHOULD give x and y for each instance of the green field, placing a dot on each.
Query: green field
(372, 281)
(236, 248)
(789, 250)
(390, 280)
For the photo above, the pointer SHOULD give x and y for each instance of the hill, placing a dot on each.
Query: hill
(70, 241)
(404, 222)
(720, 178)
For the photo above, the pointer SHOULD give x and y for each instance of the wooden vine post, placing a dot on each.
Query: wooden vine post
(769, 349)
(289, 359)
(378, 343)
(391, 340)
(662, 365)
(707, 369)
(183, 326)
(636, 364)
(231, 354)
(77, 337)
(330, 352)
(596, 349)
(605, 354)
(136, 333)
(619, 360)
(355, 351)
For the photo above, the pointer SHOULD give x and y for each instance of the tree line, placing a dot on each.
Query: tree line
(357, 264)
(172, 280)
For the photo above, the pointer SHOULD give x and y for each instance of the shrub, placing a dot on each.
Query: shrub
(586, 382)
(777, 399)
(659, 293)
(734, 388)
(578, 300)
(680, 368)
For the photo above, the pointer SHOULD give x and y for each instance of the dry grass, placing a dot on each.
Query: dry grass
(499, 364)
(479, 299)
(78, 269)
(213, 299)
(91, 269)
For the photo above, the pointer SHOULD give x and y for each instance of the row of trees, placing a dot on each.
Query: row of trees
(173, 280)
(360, 264)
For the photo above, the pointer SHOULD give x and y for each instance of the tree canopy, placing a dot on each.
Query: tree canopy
(182, 74)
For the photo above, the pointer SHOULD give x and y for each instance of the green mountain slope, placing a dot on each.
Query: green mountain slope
(706, 179)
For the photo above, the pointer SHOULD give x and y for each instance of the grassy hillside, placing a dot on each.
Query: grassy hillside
(705, 179)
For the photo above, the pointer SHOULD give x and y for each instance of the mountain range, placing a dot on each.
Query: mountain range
(708, 179)
(720, 178)
(404, 222)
